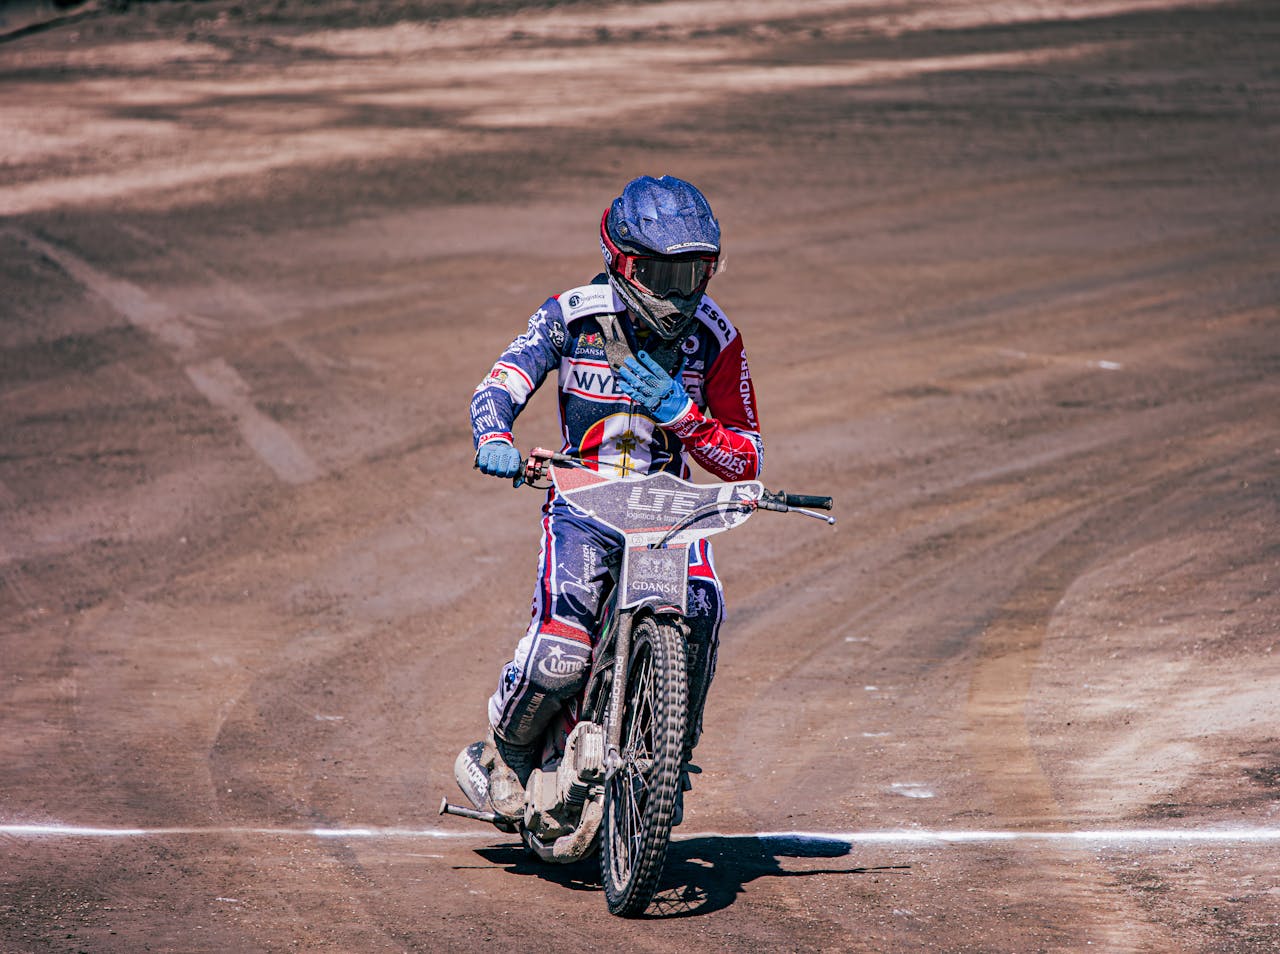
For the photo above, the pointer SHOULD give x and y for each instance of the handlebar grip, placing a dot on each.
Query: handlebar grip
(807, 501)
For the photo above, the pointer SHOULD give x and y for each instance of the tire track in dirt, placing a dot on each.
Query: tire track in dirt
(1048, 550)
(15, 582)
(241, 299)
(1007, 653)
(10, 575)
(225, 389)
(996, 712)
(214, 378)
(930, 569)
(323, 669)
(1008, 649)
(19, 594)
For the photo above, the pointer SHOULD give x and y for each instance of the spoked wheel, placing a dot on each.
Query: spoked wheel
(640, 798)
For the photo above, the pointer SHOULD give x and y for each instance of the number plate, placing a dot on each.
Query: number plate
(662, 574)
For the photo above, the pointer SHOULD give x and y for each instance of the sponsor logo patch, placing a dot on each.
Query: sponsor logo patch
(478, 779)
(717, 322)
(744, 389)
(644, 501)
(591, 380)
(558, 663)
(555, 331)
(510, 676)
(586, 300)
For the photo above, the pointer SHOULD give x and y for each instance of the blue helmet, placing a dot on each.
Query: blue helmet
(661, 246)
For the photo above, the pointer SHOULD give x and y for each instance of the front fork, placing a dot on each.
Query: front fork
(618, 692)
(615, 714)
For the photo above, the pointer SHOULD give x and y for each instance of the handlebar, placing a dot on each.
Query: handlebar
(782, 502)
(806, 500)
(536, 464)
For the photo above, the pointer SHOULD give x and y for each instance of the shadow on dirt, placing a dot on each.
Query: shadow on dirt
(702, 874)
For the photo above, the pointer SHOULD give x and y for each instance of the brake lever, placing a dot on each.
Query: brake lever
(825, 518)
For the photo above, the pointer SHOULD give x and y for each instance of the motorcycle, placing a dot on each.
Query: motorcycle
(614, 782)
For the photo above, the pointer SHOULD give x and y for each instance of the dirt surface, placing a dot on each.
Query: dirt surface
(1007, 274)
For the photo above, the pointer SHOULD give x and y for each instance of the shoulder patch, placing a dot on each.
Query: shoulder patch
(588, 300)
(713, 318)
(546, 325)
(556, 332)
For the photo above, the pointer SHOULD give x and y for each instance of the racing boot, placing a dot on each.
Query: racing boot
(512, 766)
(489, 781)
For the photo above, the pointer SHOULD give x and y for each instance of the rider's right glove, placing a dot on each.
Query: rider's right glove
(498, 459)
(646, 383)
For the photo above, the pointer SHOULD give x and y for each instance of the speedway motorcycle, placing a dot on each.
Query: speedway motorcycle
(613, 784)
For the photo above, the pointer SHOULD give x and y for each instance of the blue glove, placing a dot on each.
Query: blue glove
(657, 392)
(498, 459)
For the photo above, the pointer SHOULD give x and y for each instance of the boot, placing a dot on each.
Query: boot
(512, 766)
(491, 782)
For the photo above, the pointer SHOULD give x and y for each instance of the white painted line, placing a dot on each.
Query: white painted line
(87, 831)
(921, 836)
(913, 836)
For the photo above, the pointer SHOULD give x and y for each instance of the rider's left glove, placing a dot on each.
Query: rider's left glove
(498, 459)
(645, 382)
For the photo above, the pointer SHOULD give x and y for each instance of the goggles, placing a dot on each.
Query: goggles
(663, 276)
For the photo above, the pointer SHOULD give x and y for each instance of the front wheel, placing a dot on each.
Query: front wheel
(640, 798)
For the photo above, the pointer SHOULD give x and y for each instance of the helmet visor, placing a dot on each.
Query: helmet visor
(685, 275)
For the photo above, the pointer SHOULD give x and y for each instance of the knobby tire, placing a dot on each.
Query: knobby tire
(640, 799)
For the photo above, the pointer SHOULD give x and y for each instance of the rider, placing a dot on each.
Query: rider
(650, 373)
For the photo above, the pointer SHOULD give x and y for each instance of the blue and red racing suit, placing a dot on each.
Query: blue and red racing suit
(579, 557)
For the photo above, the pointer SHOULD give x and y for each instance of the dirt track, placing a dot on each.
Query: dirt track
(1008, 282)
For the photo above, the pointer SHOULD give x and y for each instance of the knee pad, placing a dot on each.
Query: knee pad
(557, 664)
(549, 668)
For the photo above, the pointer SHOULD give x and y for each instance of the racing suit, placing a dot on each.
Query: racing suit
(579, 557)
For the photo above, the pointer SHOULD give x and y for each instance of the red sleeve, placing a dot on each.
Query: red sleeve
(725, 439)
